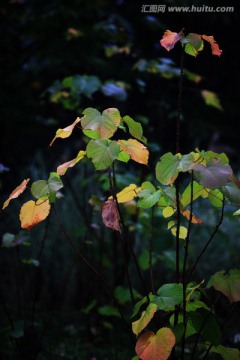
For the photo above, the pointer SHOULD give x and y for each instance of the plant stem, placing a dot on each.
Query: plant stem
(150, 252)
(179, 103)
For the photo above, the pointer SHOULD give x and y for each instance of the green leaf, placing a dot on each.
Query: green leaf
(198, 190)
(138, 305)
(216, 198)
(135, 128)
(226, 353)
(168, 198)
(148, 196)
(168, 295)
(97, 126)
(232, 192)
(108, 310)
(194, 44)
(103, 152)
(146, 317)
(123, 296)
(40, 189)
(210, 98)
(214, 175)
(182, 232)
(123, 156)
(167, 169)
(228, 284)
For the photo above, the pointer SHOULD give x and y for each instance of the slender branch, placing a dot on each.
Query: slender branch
(150, 252)
(208, 242)
(179, 103)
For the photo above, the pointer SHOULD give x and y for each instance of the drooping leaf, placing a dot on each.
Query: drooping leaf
(214, 175)
(210, 98)
(135, 128)
(16, 192)
(182, 232)
(61, 169)
(137, 151)
(128, 193)
(138, 305)
(168, 295)
(226, 353)
(155, 347)
(228, 284)
(198, 190)
(110, 215)
(170, 38)
(146, 317)
(32, 213)
(194, 44)
(214, 45)
(167, 169)
(100, 126)
(66, 132)
(148, 196)
(193, 217)
(103, 152)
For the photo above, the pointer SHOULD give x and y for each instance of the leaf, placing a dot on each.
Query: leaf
(187, 215)
(168, 295)
(216, 198)
(61, 169)
(170, 38)
(137, 151)
(110, 215)
(148, 196)
(16, 192)
(214, 175)
(228, 284)
(128, 193)
(108, 310)
(138, 305)
(124, 157)
(146, 317)
(182, 232)
(198, 190)
(168, 211)
(100, 126)
(194, 44)
(232, 192)
(135, 128)
(226, 353)
(155, 347)
(167, 169)
(42, 188)
(32, 213)
(214, 45)
(66, 132)
(210, 98)
(103, 152)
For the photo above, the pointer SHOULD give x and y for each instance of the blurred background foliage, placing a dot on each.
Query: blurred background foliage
(57, 58)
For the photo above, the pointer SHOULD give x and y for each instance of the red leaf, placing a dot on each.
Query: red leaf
(110, 215)
(170, 39)
(214, 45)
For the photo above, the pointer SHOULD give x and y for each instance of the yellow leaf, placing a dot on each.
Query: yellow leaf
(182, 232)
(16, 192)
(32, 212)
(155, 347)
(66, 132)
(137, 151)
(168, 211)
(61, 169)
(128, 193)
(146, 317)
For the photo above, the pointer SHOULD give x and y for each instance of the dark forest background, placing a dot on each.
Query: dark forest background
(57, 58)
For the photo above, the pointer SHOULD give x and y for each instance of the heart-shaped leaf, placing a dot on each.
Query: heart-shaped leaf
(33, 213)
(137, 151)
(228, 284)
(103, 152)
(214, 175)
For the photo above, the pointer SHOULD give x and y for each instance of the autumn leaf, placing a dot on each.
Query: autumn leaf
(193, 217)
(211, 99)
(16, 192)
(228, 284)
(137, 151)
(214, 45)
(128, 193)
(157, 346)
(66, 132)
(110, 215)
(32, 213)
(61, 169)
(170, 38)
(146, 317)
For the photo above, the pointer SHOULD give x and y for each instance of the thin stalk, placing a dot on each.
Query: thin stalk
(208, 242)
(150, 252)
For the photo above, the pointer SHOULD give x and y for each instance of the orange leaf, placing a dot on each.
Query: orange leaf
(137, 151)
(110, 215)
(61, 169)
(170, 39)
(155, 347)
(66, 132)
(34, 212)
(16, 192)
(214, 45)
(187, 213)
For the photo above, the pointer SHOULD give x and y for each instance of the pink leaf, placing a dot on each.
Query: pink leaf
(170, 39)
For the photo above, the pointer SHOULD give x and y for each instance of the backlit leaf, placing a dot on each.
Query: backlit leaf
(168, 211)
(170, 38)
(128, 193)
(214, 45)
(135, 128)
(214, 175)
(66, 132)
(228, 284)
(49, 188)
(168, 295)
(210, 98)
(146, 317)
(155, 347)
(110, 215)
(216, 197)
(100, 126)
(198, 190)
(137, 151)
(167, 169)
(194, 44)
(182, 232)
(188, 215)
(61, 169)
(34, 212)
(226, 353)
(16, 192)
(232, 192)
(103, 152)
(148, 196)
